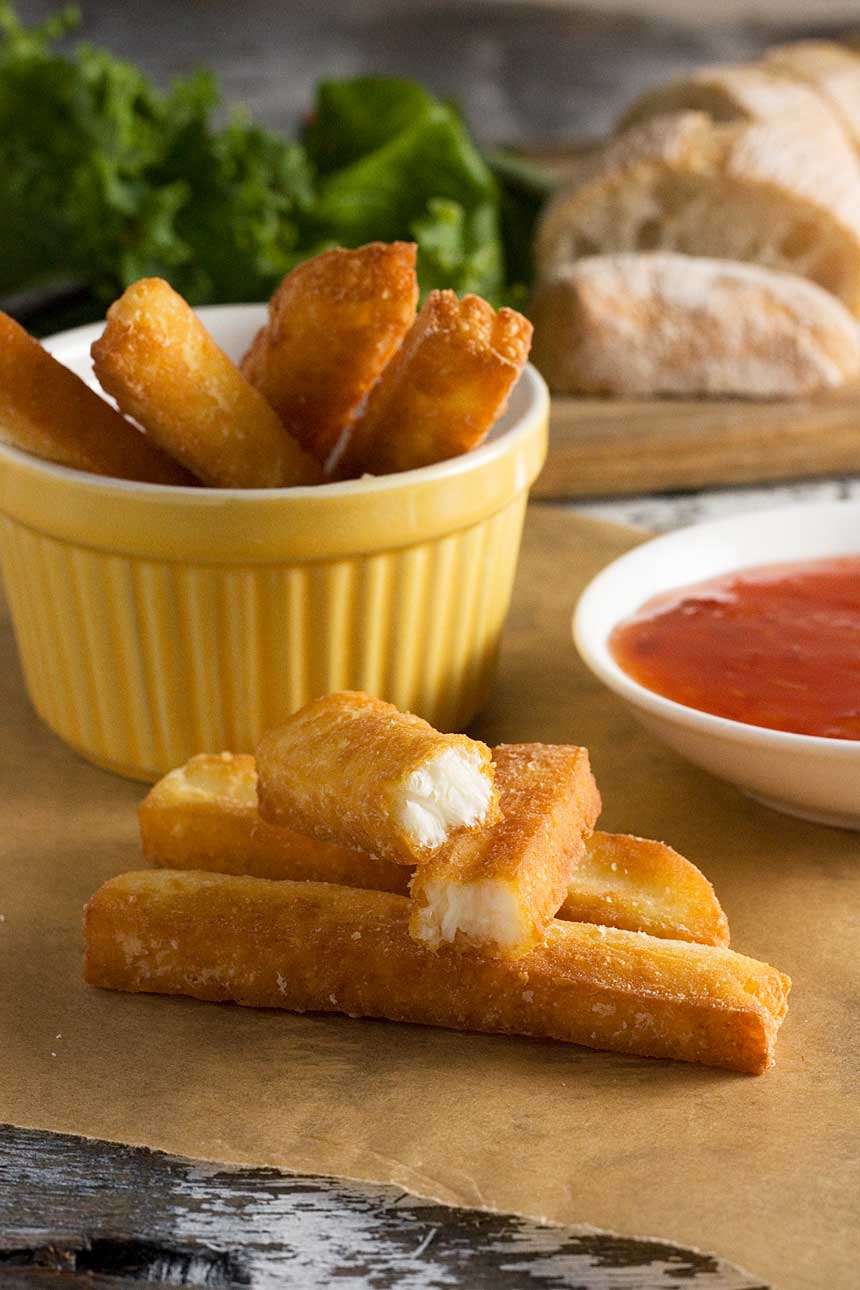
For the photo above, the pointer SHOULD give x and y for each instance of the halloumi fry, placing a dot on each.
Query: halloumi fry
(164, 369)
(443, 390)
(47, 410)
(203, 815)
(320, 947)
(353, 770)
(334, 323)
(644, 886)
(500, 888)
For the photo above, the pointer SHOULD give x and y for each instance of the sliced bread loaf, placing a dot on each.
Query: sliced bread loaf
(637, 325)
(832, 70)
(731, 92)
(771, 192)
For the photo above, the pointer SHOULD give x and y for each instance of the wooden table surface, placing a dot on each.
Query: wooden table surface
(81, 1213)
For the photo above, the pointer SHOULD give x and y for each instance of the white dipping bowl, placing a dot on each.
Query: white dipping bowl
(815, 778)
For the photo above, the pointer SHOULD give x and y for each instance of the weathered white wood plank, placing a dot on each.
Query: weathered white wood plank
(72, 1208)
(660, 512)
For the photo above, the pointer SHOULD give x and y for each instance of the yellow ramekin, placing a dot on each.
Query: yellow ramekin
(157, 622)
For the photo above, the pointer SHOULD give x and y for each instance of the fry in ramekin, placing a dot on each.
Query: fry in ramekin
(164, 369)
(334, 323)
(321, 947)
(351, 769)
(47, 410)
(443, 390)
(500, 888)
(203, 815)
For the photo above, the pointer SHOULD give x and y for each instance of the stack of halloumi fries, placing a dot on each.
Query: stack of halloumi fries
(365, 863)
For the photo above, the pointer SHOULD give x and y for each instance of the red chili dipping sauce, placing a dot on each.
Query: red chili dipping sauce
(776, 646)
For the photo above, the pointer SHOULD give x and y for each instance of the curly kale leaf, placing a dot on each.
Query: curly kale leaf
(104, 178)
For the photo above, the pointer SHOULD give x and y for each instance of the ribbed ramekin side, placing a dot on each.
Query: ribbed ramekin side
(139, 664)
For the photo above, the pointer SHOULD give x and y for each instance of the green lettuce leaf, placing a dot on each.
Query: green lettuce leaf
(427, 182)
(352, 118)
(104, 178)
(460, 249)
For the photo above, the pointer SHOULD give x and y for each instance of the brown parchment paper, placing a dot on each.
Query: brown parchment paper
(762, 1171)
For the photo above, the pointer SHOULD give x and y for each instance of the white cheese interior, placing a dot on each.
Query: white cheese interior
(445, 793)
(206, 778)
(483, 911)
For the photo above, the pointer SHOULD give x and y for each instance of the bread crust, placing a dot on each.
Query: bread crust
(733, 92)
(831, 69)
(320, 947)
(636, 325)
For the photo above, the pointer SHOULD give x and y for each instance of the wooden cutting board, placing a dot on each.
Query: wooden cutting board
(603, 447)
(617, 446)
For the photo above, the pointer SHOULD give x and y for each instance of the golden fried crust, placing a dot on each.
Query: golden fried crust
(334, 323)
(252, 365)
(204, 816)
(443, 390)
(645, 886)
(337, 770)
(320, 947)
(500, 888)
(47, 410)
(164, 369)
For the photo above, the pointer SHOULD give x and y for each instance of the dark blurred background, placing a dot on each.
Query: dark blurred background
(540, 74)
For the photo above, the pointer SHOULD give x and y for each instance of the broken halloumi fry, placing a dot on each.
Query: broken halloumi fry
(318, 947)
(334, 322)
(351, 769)
(443, 390)
(164, 369)
(499, 889)
(644, 886)
(203, 815)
